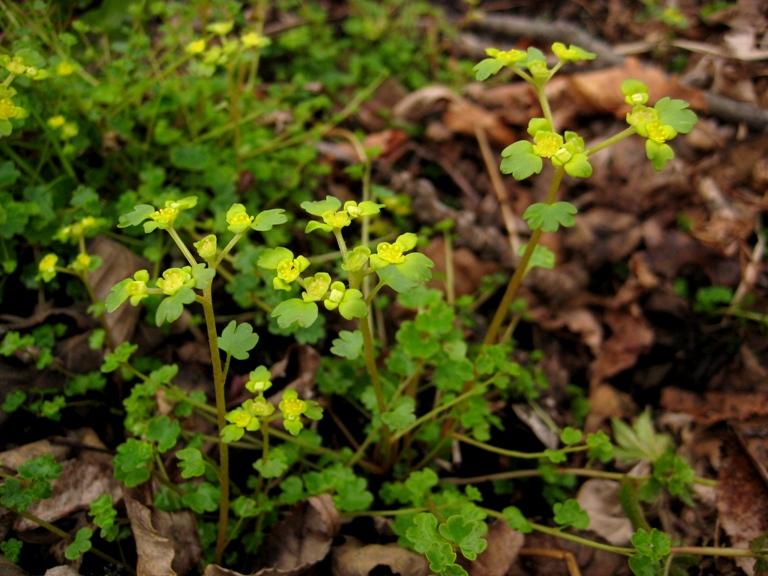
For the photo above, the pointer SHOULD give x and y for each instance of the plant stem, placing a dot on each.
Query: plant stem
(517, 278)
(612, 140)
(373, 372)
(221, 413)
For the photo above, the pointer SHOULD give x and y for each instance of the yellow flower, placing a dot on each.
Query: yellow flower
(69, 130)
(47, 267)
(65, 68)
(196, 47)
(165, 216)
(82, 262)
(207, 247)
(56, 121)
(173, 280)
(337, 219)
(392, 253)
(292, 406)
(254, 40)
(288, 270)
(7, 109)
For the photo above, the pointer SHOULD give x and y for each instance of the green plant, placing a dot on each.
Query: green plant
(191, 131)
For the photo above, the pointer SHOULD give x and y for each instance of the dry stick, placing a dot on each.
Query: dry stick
(498, 187)
(570, 559)
(750, 272)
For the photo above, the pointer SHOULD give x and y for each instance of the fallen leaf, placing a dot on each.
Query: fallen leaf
(742, 501)
(631, 336)
(118, 264)
(600, 499)
(57, 571)
(302, 539)
(504, 544)
(12, 459)
(353, 558)
(713, 407)
(155, 552)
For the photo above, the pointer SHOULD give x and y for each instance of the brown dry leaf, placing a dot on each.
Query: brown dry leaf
(181, 528)
(353, 558)
(12, 459)
(600, 91)
(155, 552)
(302, 539)
(606, 402)
(580, 321)
(463, 117)
(714, 407)
(57, 571)
(742, 501)
(119, 263)
(631, 336)
(78, 485)
(10, 569)
(504, 544)
(600, 499)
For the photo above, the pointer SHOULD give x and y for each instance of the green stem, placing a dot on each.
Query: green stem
(432, 414)
(221, 413)
(59, 532)
(182, 246)
(373, 372)
(612, 140)
(517, 278)
(514, 453)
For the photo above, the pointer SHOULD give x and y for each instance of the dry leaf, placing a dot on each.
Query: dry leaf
(119, 263)
(631, 336)
(353, 558)
(78, 485)
(302, 539)
(57, 571)
(155, 552)
(504, 544)
(12, 459)
(181, 528)
(742, 501)
(600, 499)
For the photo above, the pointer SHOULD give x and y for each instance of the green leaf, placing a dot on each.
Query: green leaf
(440, 555)
(192, 157)
(164, 431)
(392, 277)
(8, 173)
(549, 217)
(14, 401)
(205, 498)
(11, 549)
(419, 485)
(515, 520)
(231, 433)
(114, 360)
(41, 467)
(416, 267)
(275, 466)
(643, 566)
(675, 113)
(542, 257)
(238, 340)
(80, 545)
(13, 495)
(640, 440)
(655, 545)
(555, 456)
(132, 462)
(202, 275)
(191, 462)
(104, 515)
(136, 217)
(172, 307)
(578, 166)
(570, 436)
(319, 207)
(348, 345)
(467, 534)
(266, 219)
(570, 513)
(271, 257)
(245, 507)
(295, 310)
(453, 570)
(658, 154)
(486, 68)
(423, 533)
(352, 496)
(520, 160)
(417, 344)
(401, 415)
(600, 446)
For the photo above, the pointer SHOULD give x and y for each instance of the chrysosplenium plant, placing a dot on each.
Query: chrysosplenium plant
(567, 151)
(393, 263)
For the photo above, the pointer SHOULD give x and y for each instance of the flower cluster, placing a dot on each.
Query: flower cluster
(335, 216)
(225, 50)
(174, 279)
(659, 124)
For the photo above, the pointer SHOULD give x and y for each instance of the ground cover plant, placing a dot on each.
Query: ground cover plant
(243, 333)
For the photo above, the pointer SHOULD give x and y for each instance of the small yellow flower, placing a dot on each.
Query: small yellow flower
(16, 66)
(292, 406)
(173, 280)
(82, 262)
(7, 109)
(47, 267)
(69, 130)
(288, 270)
(337, 219)
(547, 144)
(220, 28)
(196, 47)
(254, 40)
(165, 216)
(259, 407)
(56, 121)
(392, 253)
(207, 247)
(65, 68)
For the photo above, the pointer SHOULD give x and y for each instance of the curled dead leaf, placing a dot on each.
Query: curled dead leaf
(353, 558)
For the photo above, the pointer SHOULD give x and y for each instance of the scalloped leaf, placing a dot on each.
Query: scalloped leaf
(319, 207)
(675, 113)
(549, 217)
(266, 219)
(295, 310)
(520, 160)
